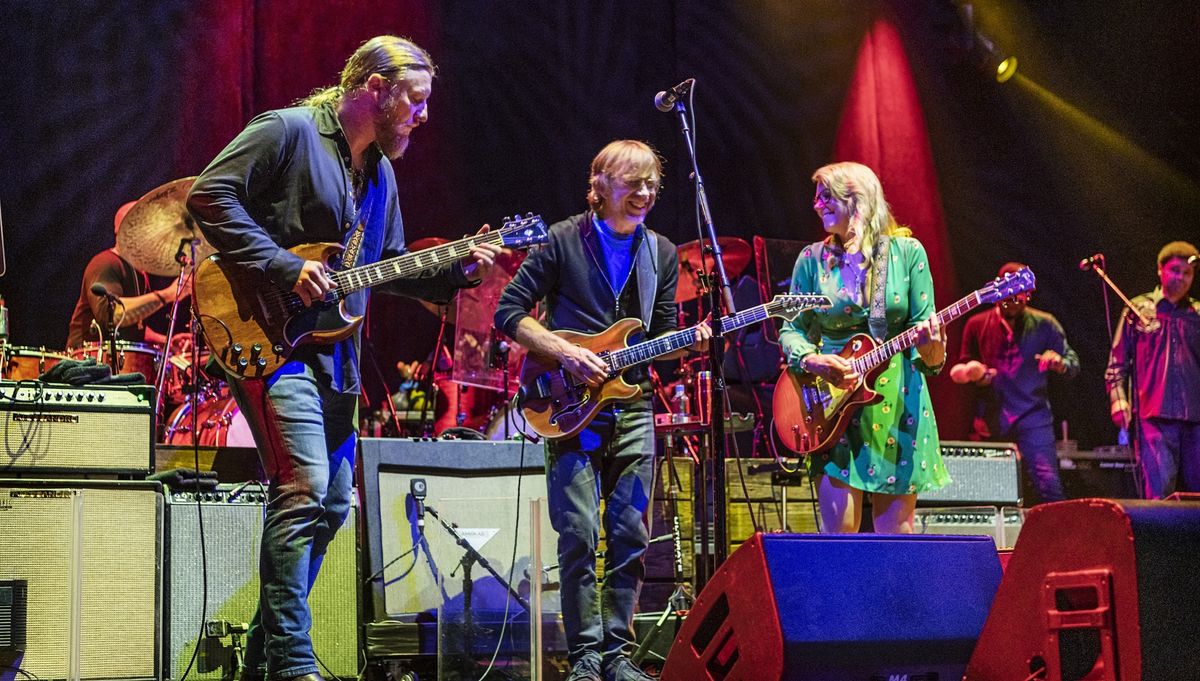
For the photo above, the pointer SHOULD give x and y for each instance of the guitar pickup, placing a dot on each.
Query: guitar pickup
(538, 389)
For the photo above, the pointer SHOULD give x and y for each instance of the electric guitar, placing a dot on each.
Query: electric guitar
(558, 405)
(252, 326)
(811, 413)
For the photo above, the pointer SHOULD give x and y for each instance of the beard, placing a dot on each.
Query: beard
(391, 141)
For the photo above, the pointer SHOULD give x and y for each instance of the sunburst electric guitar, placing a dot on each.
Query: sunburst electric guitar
(252, 326)
(811, 413)
(558, 405)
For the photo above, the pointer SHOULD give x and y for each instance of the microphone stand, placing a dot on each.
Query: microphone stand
(1134, 425)
(470, 557)
(110, 327)
(716, 356)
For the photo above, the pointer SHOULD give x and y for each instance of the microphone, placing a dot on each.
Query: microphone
(665, 100)
(1091, 261)
(101, 290)
(416, 487)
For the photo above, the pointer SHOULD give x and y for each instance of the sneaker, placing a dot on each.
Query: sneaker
(623, 669)
(586, 669)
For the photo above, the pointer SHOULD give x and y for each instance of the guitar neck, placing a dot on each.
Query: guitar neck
(884, 351)
(409, 264)
(677, 340)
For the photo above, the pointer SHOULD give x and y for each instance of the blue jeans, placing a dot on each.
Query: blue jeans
(612, 458)
(306, 436)
(1169, 456)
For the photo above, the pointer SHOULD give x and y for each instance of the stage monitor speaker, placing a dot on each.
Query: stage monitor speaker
(483, 487)
(982, 473)
(1097, 590)
(82, 561)
(839, 608)
(233, 519)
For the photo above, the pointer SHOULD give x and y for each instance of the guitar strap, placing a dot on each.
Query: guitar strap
(647, 275)
(877, 321)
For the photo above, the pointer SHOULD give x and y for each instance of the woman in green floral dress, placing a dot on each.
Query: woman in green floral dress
(890, 449)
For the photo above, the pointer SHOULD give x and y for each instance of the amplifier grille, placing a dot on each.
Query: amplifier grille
(982, 473)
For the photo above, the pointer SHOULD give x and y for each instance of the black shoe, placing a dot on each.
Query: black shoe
(252, 675)
(623, 669)
(586, 669)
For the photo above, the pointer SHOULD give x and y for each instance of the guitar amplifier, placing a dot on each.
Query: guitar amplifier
(983, 473)
(51, 428)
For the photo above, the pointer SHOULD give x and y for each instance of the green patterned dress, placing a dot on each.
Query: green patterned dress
(890, 447)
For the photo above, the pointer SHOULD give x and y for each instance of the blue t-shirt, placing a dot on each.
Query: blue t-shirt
(617, 252)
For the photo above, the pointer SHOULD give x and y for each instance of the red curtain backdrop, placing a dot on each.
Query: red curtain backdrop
(883, 127)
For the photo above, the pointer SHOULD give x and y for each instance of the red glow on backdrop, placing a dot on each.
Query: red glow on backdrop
(883, 126)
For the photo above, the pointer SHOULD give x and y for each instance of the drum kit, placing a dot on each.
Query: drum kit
(157, 236)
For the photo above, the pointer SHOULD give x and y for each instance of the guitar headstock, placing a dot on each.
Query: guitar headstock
(523, 232)
(790, 305)
(1008, 286)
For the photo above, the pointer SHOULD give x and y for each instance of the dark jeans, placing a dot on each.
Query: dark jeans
(1039, 456)
(306, 437)
(613, 459)
(1169, 456)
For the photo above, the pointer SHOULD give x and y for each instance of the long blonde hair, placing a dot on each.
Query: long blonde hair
(870, 215)
(387, 55)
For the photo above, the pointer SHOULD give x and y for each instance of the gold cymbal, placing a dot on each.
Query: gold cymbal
(735, 253)
(153, 230)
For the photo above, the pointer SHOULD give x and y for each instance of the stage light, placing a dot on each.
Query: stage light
(982, 49)
(1002, 66)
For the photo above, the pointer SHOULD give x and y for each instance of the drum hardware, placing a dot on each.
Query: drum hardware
(21, 363)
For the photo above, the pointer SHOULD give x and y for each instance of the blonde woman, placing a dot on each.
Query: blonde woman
(890, 450)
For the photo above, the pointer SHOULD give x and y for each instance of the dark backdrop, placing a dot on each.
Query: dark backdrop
(1094, 147)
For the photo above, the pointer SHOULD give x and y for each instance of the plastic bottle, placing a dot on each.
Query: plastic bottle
(681, 404)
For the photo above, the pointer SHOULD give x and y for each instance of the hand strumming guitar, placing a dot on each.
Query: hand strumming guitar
(833, 368)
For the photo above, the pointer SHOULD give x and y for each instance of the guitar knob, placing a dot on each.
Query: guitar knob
(236, 349)
(277, 349)
(243, 362)
(262, 362)
(255, 349)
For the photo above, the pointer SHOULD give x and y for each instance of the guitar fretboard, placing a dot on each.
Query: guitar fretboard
(619, 360)
(884, 351)
(366, 276)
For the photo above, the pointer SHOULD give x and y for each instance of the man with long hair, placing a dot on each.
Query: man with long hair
(316, 172)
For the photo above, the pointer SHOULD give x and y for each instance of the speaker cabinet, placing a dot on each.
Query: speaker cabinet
(484, 488)
(82, 561)
(233, 517)
(1097, 590)
(839, 607)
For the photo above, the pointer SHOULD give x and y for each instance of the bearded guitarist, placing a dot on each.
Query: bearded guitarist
(600, 266)
(317, 172)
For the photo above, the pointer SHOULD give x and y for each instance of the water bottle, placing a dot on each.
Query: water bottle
(3, 321)
(681, 404)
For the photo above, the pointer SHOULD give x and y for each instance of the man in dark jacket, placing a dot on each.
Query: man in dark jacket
(599, 267)
(317, 172)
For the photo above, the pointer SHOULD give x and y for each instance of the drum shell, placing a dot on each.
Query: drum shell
(26, 363)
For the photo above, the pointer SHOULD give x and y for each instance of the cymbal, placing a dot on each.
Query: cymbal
(152, 231)
(734, 251)
(450, 310)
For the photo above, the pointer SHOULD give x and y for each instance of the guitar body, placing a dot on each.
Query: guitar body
(249, 327)
(557, 405)
(811, 413)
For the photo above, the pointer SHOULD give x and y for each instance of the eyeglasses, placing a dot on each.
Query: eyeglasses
(825, 198)
(633, 184)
